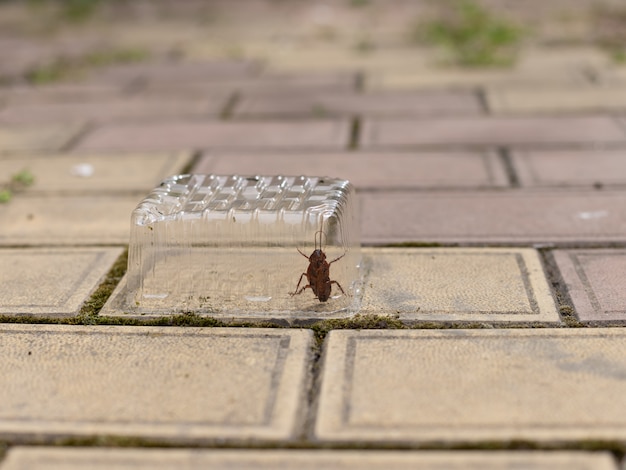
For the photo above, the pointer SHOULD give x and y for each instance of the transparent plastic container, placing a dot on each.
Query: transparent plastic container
(237, 246)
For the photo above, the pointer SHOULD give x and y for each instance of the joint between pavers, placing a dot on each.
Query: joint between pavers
(230, 105)
(504, 155)
(74, 140)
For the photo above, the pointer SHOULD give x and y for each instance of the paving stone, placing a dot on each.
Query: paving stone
(404, 79)
(549, 59)
(390, 104)
(61, 92)
(179, 384)
(593, 129)
(113, 110)
(49, 458)
(556, 99)
(174, 71)
(51, 281)
(182, 135)
(519, 217)
(594, 280)
(452, 386)
(262, 85)
(570, 168)
(370, 170)
(458, 284)
(70, 173)
(313, 58)
(36, 138)
(67, 220)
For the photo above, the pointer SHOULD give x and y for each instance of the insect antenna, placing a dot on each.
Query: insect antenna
(321, 232)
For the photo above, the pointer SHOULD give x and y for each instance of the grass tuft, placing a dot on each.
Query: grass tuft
(472, 35)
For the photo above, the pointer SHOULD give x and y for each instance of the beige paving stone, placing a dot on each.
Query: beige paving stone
(49, 458)
(37, 138)
(519, 217)
(549, 59)
(370, 170)
(51, 281)
(425, 386)
(594, 281)
(570, 168)
(71, 173)
(458, 284)
(67, 220)
(336, 58)
(418, 78)
(556, 99)
(165, 383)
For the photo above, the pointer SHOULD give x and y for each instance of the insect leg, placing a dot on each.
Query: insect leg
(337, 259)
(296, 292)
(338, 285)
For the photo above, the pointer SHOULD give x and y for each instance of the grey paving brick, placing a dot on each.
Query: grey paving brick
(570, 168)
(179, 384)
(594, 281)
(113, 110)
(424, 386)
(389, 104)
(458, 284)
(487, 216)
(182, 135)
(61, 92)
(51, 281)
(48, 458)
(37, 138)
(72, 173)
(66, 220)
(269, 84)
(492, 131)
(175, 71)
(370, 170)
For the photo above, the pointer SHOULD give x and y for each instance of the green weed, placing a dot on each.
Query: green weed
(472, 35)
(18, 182)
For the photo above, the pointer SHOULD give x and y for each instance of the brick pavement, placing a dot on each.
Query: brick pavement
(491, 337)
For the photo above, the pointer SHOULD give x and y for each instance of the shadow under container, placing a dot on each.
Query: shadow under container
(229, 246)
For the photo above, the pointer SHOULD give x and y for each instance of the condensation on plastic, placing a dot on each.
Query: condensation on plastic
(228, 246)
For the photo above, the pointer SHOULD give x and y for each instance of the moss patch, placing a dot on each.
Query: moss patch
(357, 322)
(97, 300)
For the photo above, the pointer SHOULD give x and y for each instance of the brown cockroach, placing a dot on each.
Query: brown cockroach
(318, 273)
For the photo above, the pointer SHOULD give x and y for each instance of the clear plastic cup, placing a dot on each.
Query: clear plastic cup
(237, 246)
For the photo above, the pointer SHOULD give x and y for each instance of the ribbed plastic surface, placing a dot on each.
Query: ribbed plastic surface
(228, 245)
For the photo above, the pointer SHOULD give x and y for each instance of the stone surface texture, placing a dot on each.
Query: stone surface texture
(191, 135)
(51, 281)
(511, 217)
(473, 385)
(155, 383)
(93, 173)
(594, 282)
(491, 312)
(378, 170)
(48, 458)
(458, 284)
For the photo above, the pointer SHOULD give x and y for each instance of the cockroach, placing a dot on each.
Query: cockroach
(318, 273)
